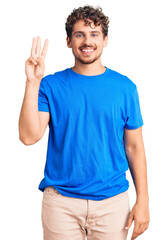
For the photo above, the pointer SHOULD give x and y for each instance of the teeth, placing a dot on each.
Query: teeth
(87, 50)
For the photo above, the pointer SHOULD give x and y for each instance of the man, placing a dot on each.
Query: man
(95, 134)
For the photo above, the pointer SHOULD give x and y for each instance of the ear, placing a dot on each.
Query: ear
(105, 41)
(68, 42)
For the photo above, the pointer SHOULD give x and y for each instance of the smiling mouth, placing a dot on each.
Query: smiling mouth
(87, 51)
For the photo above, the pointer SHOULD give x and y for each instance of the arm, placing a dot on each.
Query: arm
(29, 120)
(32, 123)
(135, 152)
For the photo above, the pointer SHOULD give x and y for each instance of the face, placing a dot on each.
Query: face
(87, 42)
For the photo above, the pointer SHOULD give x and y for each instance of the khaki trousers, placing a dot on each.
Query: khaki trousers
(68, 218)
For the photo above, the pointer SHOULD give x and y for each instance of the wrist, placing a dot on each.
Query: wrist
(142, 198)
(35, 83)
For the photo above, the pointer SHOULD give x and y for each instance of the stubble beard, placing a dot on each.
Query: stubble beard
(86, 61)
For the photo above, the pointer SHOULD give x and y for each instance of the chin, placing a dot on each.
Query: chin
(87, 61)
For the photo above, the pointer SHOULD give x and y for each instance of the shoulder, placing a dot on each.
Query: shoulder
(53, 78)
(122, 80)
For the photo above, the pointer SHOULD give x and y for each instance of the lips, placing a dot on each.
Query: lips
(87, 51)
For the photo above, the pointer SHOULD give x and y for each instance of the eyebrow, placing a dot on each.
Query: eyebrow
(84, 32)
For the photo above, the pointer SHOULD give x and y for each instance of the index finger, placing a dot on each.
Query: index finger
(34, 43)
(45, 48)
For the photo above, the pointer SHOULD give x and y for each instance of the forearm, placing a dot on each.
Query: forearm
(138, 168)
(29, 122)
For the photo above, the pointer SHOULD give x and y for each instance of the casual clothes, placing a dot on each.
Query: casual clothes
(85, 156)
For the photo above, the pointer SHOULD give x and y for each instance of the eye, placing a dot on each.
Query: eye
(78, 35)
(94, 35)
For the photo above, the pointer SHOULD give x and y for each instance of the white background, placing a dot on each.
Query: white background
(137, 47)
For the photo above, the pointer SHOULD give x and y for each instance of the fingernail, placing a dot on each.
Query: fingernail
(126, 227)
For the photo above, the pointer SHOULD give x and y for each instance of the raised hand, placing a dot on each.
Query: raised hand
(34, 66)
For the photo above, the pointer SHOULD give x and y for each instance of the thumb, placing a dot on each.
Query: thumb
(129, 222)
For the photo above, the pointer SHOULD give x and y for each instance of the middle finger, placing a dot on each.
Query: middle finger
(38, 48)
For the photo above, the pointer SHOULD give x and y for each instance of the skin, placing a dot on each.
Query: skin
(32, 123)
(135, 152)
(34, 66)
(87, 65)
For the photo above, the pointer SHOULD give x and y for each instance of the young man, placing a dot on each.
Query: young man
(95, 134)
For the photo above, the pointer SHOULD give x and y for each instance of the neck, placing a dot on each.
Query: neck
(89, 69)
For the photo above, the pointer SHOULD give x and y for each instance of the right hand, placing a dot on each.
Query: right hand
(34, 66)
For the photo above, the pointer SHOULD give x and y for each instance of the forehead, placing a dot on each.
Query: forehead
(80, 26)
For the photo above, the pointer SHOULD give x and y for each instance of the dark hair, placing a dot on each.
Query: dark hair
(84, 13)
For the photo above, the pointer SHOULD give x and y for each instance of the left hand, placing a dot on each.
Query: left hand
(140, 215)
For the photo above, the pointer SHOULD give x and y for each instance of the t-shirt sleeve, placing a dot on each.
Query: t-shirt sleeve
(134, 117)
(43, 104)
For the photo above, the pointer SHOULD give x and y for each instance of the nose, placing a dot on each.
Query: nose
(87, 40)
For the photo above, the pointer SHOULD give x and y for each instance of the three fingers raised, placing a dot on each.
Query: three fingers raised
(36, 48)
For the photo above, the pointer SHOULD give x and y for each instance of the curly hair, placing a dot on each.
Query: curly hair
(87, 13)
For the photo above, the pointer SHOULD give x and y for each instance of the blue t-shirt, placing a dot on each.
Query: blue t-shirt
(85, 155)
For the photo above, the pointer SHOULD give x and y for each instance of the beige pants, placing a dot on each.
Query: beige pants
(68, 218)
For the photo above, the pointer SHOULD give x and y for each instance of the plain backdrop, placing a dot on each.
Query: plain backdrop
(137, 48)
